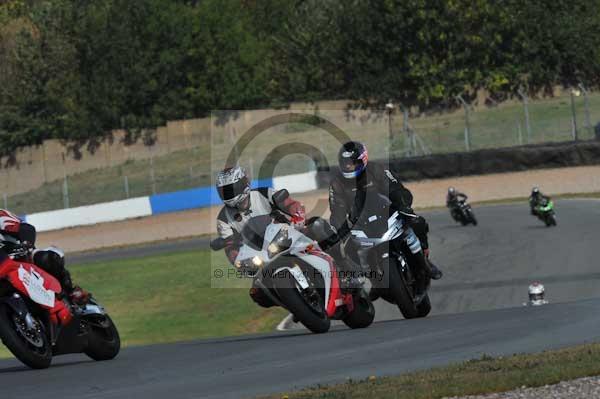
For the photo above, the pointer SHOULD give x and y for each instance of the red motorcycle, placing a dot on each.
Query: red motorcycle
(36, 323)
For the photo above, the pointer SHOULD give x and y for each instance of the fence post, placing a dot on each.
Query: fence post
(467, 122)
(66, 192)
(152, 175)
(573, 117)
(126, 185)
(525, 100)
(389, 108)
(586, 103)
(411, 147)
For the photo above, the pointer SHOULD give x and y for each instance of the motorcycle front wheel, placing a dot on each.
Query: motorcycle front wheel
(311, 315)
(550, 220)
(472, 217)
(30, 346)
(399, 291)
(363, 314)
(104, 342)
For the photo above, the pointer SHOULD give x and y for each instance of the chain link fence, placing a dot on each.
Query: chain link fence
(571, 115)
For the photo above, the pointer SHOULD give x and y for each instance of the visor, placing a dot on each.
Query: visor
(536, 297)
(351, 168)
(230, 191)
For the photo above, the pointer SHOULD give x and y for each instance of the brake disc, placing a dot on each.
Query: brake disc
(31, 335)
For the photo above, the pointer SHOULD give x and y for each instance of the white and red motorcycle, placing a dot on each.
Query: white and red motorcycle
(294, 273)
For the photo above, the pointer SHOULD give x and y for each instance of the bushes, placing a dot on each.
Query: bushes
(74, 69)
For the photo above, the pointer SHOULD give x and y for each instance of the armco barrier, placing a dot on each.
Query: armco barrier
(298, 183)
(92, 214)
(131, 208)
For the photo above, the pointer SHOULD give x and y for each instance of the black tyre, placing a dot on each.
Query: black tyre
(424, 307)
(316, 321)
(36, 356)
(399, 291)
(549, 220)
(472, 217)
(363, 314)
(104, 342)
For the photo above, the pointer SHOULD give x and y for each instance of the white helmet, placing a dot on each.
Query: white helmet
(233, 186)
(536, 294)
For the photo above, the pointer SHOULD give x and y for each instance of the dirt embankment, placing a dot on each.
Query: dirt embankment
(427, 193)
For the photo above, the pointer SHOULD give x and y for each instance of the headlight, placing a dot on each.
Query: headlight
(281, 242)
(257, 261)
(250, 266)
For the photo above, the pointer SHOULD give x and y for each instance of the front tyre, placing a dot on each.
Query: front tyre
(549, 220)
(400, 293)
(472, 217)
(104, 342)
(312, 315)
(424, 307)
(363, 314)
(30, 346)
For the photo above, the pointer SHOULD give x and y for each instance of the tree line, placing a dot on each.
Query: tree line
(75, 69)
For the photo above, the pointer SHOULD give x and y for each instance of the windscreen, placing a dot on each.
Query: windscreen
(253, 232)
(374, 215)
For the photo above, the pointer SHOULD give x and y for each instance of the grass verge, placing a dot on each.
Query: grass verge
(485, 375)
(169, 298)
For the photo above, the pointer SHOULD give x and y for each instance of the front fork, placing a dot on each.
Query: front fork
(18, 305)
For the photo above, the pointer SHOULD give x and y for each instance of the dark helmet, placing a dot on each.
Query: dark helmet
(535, 192)
(50, 259)
(451, 190)
(233, 186)
(353, 158)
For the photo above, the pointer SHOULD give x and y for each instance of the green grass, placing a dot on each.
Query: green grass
(441, 132)
(169, 298)
(485, 375)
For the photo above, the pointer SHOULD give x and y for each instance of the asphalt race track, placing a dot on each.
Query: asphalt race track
(486, 267)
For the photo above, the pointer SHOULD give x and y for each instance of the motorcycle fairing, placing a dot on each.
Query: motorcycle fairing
(38, 285)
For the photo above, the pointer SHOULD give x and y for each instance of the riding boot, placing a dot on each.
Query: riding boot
(425, 264)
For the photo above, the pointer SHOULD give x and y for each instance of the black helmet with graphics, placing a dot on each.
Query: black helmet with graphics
(353, 158)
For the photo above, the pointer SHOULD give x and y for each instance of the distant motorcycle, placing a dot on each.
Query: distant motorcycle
(36, 325)
(294, 273)
(463, 214)
(386, 247)
(545, 212)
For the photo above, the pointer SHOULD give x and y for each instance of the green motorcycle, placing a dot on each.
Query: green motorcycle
(545, 212)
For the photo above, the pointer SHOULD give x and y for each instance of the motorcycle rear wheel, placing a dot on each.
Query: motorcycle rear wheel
(18, 345)
(296, 304)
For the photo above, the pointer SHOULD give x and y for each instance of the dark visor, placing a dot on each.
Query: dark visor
(231, 191)
(350, 165)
